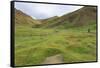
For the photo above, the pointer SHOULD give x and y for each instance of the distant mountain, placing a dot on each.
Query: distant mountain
(50, 19)
(22, 18)
(81, 17)
(47, 22)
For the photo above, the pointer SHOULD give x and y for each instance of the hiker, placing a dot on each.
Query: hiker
(88, 30)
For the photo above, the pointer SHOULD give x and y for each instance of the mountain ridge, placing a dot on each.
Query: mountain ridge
(22, 18)
(81, 17)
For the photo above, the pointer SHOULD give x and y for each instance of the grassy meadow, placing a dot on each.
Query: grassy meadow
(67, 38)
(34, 45)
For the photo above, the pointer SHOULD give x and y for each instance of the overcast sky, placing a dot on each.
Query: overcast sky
(42, 11)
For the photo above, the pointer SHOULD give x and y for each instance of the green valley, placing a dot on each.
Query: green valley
(73, 36)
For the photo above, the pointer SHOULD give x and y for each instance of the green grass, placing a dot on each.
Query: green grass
(34, 45)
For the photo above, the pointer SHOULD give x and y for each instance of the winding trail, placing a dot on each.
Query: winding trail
(54, 59)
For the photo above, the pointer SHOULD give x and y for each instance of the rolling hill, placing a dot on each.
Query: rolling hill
(83, 16)
(22, 18)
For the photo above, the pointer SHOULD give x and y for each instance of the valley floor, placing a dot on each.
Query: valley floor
(33, 46)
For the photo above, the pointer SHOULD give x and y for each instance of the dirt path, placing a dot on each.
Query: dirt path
(54, 59)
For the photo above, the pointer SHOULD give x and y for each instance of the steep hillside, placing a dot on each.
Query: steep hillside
(82, 17)
(23, 19)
